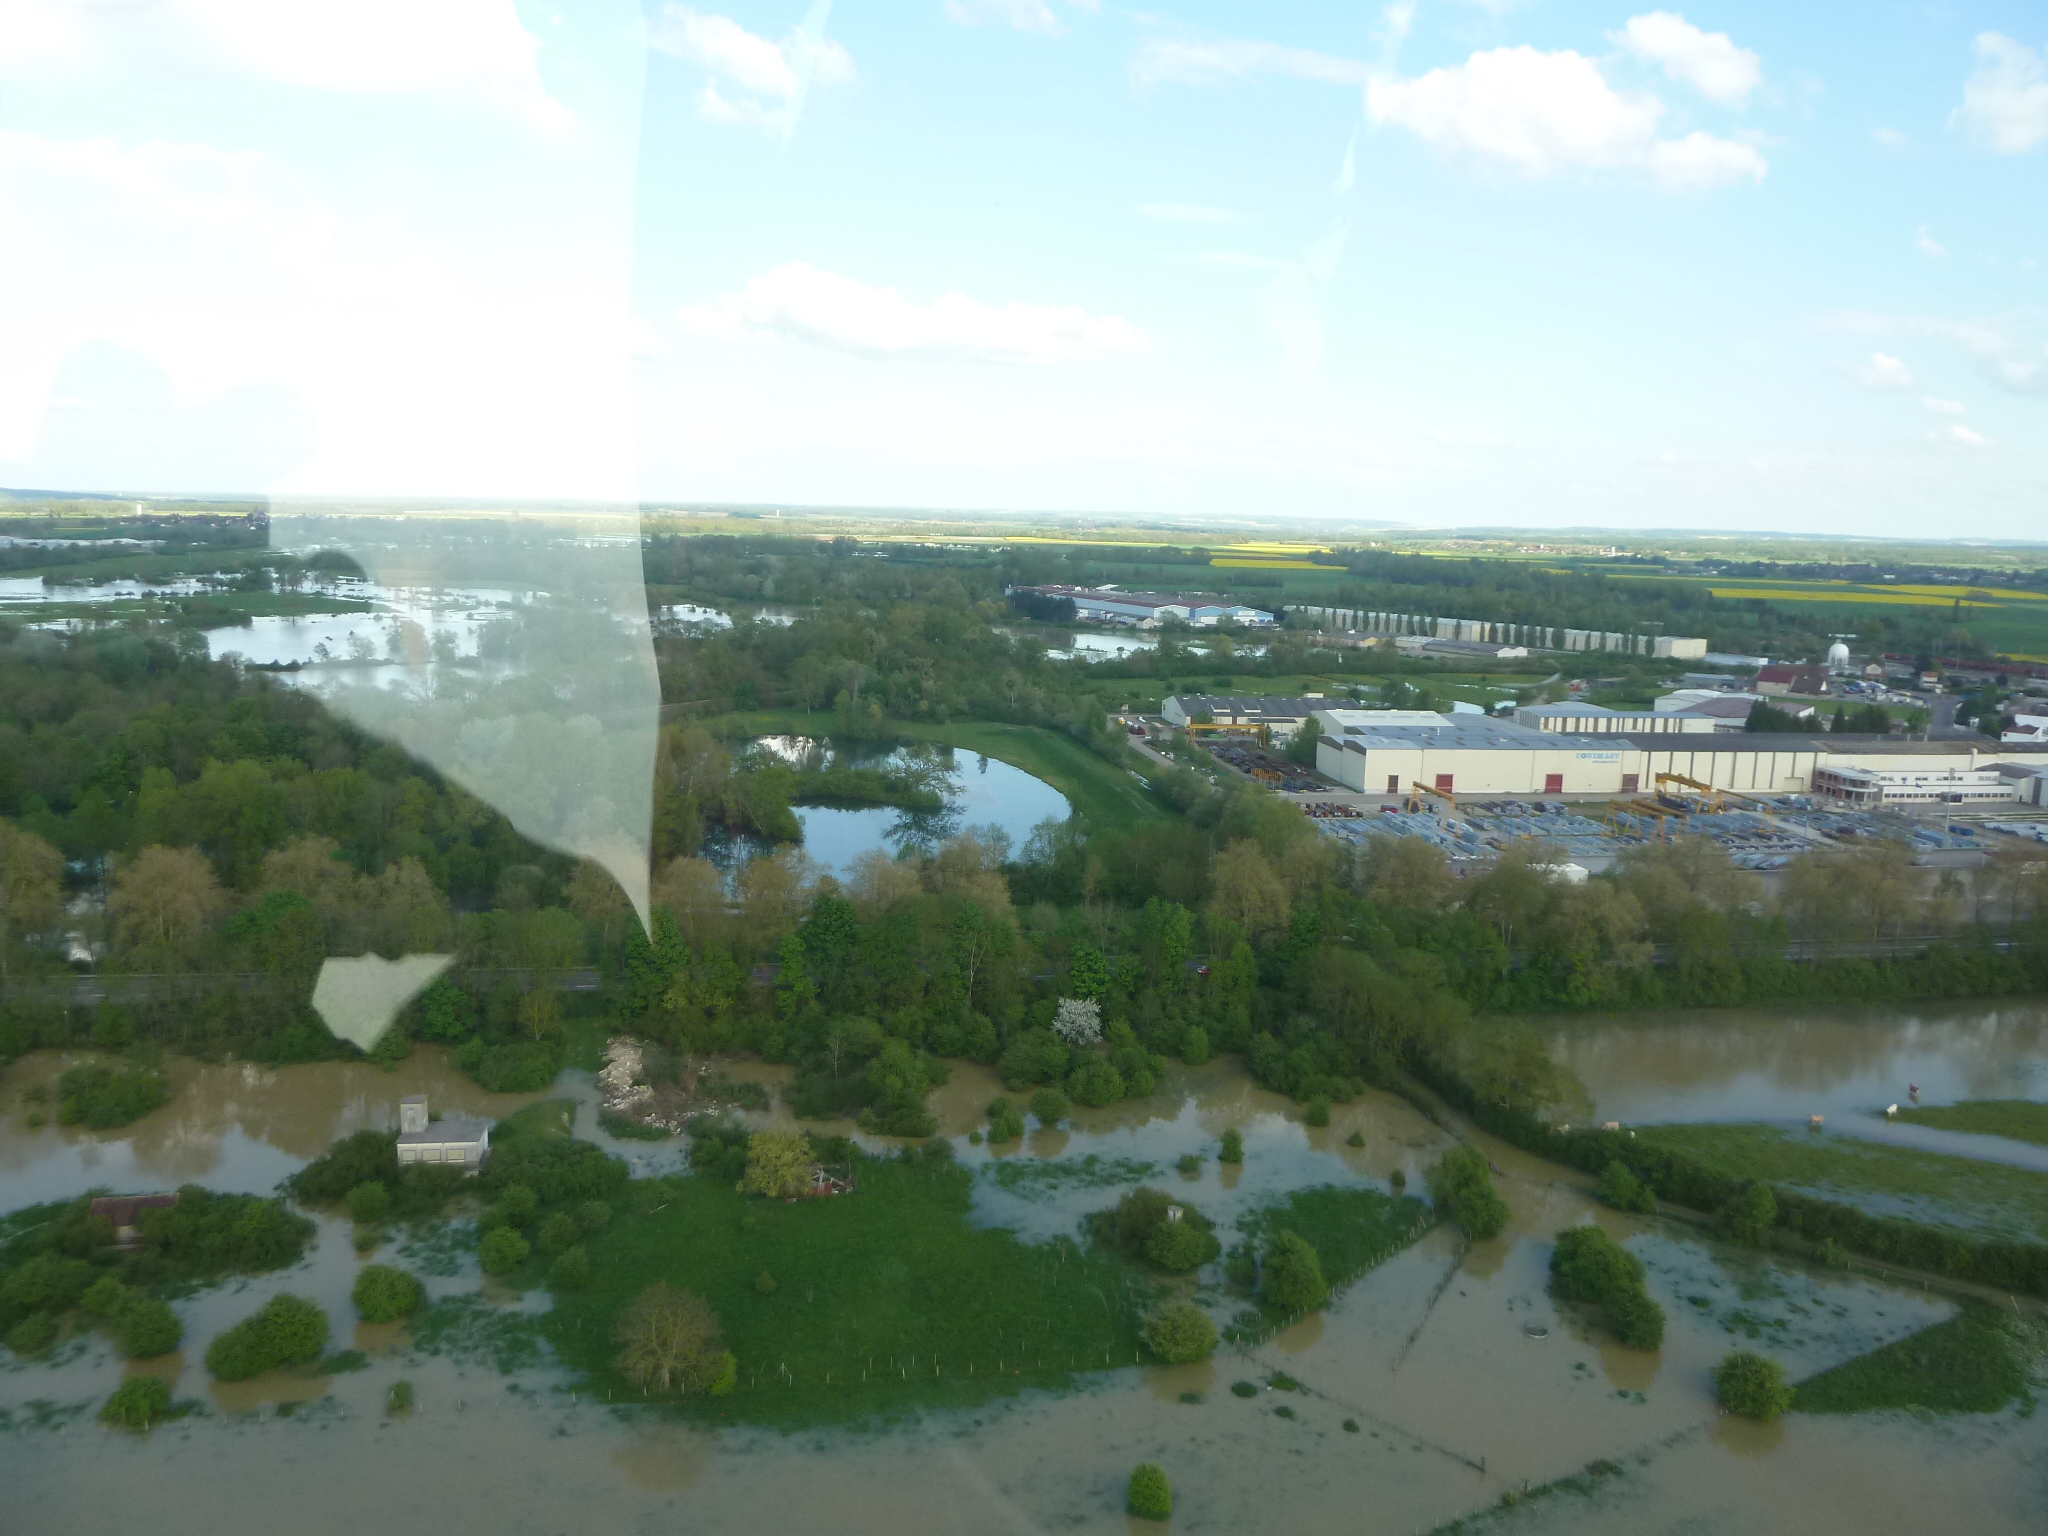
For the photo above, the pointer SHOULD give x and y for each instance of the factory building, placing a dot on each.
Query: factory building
(1387, 752)
(1489, 632)
(1277, 718)
(1594, 720)
(1871, 787)
(1146, 610)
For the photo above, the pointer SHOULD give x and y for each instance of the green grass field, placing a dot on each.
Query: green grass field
(2018, 1119)
(1974, 1198)
(1976, 1362)
(1104, 794)
(885, 1300)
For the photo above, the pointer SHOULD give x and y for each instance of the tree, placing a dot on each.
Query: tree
(1232, 1150)
(162, 897)
(369, 1203)
(502, 1251)
(1179, 1332)
(1751, 1385)
(1405, 872)
(559, 1233)
(146, 1328)
(31, 885)
(383, 1293)
(1248, 895)
(1291, 1277)
(1078, 1021)
(571, 1270)
(1620, 1188)
(137, 1403)
(1095, 1083)
(1302, 749)
(670, 1341)
(1050, 1106)
(1749, 1217)
(778, 1164)
(1149, 1496)
(1462, 1184)
(1179, 1246)
(286, 1330)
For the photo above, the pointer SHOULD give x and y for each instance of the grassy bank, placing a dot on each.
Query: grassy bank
(1968, 1197)
(2018, 1119)
(1976, 1362)
(1107, 796)
(882, 1302)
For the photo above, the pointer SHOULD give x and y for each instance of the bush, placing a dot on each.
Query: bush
(1194, 1046)
(765, 1284)
(1588, 1265)
(137, 1403)
(593, 1215)
(1624, 1191)
(1232, 1150)
(1751, 1385)
(778, 1164)
(104, 1097)
(1179, 1246)
(49, 1282)
(1035, 1056)
(511, 1067)
(1050, 1106)
(1318, 1112)
(33, 1334)
(1004, 1123)
(571, 1270)
(146, 1328)
(367, 1157)
(107, 1297)
(558, 1233)
(519, 1203)
(1462, 1185)
(502, 1251)
(384, 1294)
(1291, 1277)
(1095, 1083)
(669, 1341)
(1636, 1319)
(210, 1234)
(399, 1398)
(1180, 1332)
(1749, 1217)
(1150, 1496)
(286, 1330)
(369, 1202)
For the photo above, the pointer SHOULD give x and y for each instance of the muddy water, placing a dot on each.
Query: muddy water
(1431, 1355)
(1782, 1065)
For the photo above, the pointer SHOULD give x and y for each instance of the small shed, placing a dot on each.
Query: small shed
(121, 1210)
(457, 1141)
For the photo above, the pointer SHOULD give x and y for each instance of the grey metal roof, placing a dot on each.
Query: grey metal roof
(456, 1128)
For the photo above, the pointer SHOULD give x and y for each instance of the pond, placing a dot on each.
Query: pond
(1781, 1065)
(980, 792)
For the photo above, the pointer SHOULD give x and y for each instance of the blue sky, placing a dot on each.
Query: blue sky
(1547, 263)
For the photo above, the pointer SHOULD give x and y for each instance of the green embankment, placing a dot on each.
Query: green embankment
(1976, 1362)
(1974, 1198)
(884, 1301)
(2017, 1119)
(1105, 795)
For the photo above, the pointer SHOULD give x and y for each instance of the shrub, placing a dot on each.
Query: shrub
(1318, 1112)
(1179, 1246)
(778, 1164)
(1190, 1166)
(1624, 1191)
(1244, 1389)
(107, 1297)
(1462, 1186)
(286, 1330)
(399, 1398)
(669, 1341)
(512, 1066)
(1095, 1083)
(519, 1202)
(1150, 1496)
(384, 1294)
(1232, 1150)
(369, 1202)
(1588, 1265)
(146, 1328)
(1292, 1276)
(49, 1282)
(363, 1158)
(1180, 1332)
(1194, 1046)
(1356, 1139)
(1004, 1123)
(205, 1233)
(571, 1270)
(1050, 1106)
(593, 1215)
(1636, 1319)
(1751, 1385)
(558, 1233)
(1034, 1056)
(137, 1403)
(33, 1334)
(104, 1097)
(1749, 1217)
(502, 1251)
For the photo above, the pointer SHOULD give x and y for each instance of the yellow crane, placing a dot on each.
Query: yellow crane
(1711, 799)
(1417, 790)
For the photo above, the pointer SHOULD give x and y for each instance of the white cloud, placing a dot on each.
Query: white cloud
(1709, 62)
(800, 302)
(1884, 371)
(751, 81)
(1993, 347)
(1890, 138)
(476, 49)
(2021, 375)
(1930, 247)
(1964, 437)
(1545, 113)
(1216, 61)
(1187, 213)
(1023, 15)
(1943, 407)
(2005, 103)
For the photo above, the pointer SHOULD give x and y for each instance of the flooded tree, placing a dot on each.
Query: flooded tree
(670, 1341)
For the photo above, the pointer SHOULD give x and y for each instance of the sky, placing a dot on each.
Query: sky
(1434, 263)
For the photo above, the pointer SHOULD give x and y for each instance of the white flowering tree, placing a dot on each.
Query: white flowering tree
(1078, 1021)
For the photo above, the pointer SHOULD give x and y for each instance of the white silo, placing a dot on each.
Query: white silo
(1838, 657)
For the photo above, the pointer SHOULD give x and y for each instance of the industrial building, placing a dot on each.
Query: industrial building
(456, 1140)
(1780, 680)
(1276, 719)
(1487, 631)
(1595, 720)
(1388, 752)
(1868, 787)
(1146, 610)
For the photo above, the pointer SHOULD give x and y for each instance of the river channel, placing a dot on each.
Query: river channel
(1434, 1356)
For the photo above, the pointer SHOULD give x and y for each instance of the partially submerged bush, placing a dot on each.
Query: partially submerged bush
(1050, 1106)
(1588, 1265)
(502, 1251)
(146, 1328)
(1751, 1385)
(1749, 1217)
(1179, 1332)
(1004, 1123)
(369, 1203)
(1462, 1185)
(1291, 1277)
(1150, 1496)
(1232, 1150)
(286, 1330)
(104, 1097)
(137, 1403)
(383, 1293)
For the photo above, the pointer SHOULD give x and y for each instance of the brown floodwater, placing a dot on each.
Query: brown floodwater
(1432, 1356)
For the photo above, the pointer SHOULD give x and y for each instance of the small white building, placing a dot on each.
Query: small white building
(1880, 786)
(459, 1141)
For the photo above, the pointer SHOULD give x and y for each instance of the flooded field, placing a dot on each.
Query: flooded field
(1465, 1382)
